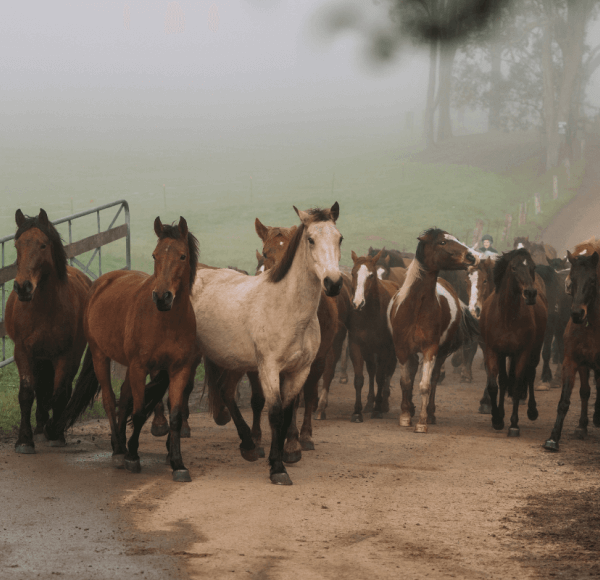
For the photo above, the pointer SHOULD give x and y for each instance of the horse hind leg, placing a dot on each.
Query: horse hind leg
(257, 402)
(359, 381)
(568, 374)
(408, 372)
(160, 425)
(311, 397)
(584, 393)
(429, 362)
(345, 354)
(439, 364)
(373, 405)
(329, 372)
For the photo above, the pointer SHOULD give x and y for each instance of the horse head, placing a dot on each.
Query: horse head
(439, 250)
(481, 278)
(364, 275)
(518, 269)
(39, 253)
(584, 284)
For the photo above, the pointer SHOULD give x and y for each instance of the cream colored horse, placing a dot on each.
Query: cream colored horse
(269, 324)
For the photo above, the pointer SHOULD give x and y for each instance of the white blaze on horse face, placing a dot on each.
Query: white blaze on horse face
(441, 291)
(261, 269)
(380, 272)
(524, 262)
(326, 249)
(583, 252)
(453, 239)
(520, 245)
(359, 293)
(474, 277)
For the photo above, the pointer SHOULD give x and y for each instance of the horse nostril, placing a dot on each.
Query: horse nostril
(167, 296)
(16, 287)
(478, 311)
(154, 297)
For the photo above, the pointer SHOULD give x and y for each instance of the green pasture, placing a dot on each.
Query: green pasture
(385, 199)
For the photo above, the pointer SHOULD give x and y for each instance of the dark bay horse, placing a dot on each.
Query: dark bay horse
(513, 323)
(269, 324)
(370, 339)
(146, 323)
(582, 343)
(44, 317)
(426, 316)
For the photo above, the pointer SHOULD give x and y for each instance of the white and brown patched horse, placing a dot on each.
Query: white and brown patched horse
(426, 316)
(269, 324)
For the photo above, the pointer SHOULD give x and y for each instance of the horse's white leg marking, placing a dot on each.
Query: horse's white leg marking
(425, 388)
(404, 420)
(473, 276)
(359, 294)
(441, 291)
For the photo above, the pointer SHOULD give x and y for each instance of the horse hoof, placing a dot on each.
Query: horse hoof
(307, 445)
(343, 380)
(182, 475)
(596, 420)
(223, 417)
(376, 415)
(39, 438)
(281, 479)
(159, 430)
(320, 416)
(466, 380)
(58, 443)
(261, 452)
(441, 379)
(543, 387)
(368, 407)
(498, 426)
(356, 418)
(431, 420)
(485, 409)
(133, 465)
(551, 445)
(25, 449)
(420, 428)
(118, 460)
(580, 433)
(532, 414)
(185, 432)
(514, 432)
(292, 457)
(404, 421)
(249, 454)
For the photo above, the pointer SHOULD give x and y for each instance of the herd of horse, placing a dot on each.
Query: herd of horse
(286, 327)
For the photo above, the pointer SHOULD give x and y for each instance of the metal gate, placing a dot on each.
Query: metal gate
(73, 249)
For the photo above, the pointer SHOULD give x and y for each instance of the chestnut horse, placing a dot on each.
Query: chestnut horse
(426, 316)
(513, 323)
(370, 339)
(269, 324)
(44, 319)
(582, 343)
(146, 323)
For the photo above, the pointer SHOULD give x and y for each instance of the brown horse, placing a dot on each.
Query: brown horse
(426, 316)
(541, 253)
(44, 319)
(146, 323)
(513, 323)
(370, 339)
(582, 343)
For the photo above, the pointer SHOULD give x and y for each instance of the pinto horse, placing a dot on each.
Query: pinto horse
(44, 317)
(513, 323)
(370, 339)
(269, 324)
(146, 323)
(582, 343)
(426, 316)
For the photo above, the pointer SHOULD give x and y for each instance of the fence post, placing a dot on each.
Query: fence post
(555, 187)
(537, 203)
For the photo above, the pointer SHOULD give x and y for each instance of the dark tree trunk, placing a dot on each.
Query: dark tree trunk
(495, 92)
(445, 91)
(428, 128)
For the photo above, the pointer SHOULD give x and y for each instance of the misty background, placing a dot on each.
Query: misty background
(227, 111)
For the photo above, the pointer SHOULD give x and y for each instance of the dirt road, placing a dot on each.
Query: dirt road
(373, 501)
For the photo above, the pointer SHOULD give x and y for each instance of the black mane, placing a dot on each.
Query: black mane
(173, 232)
(420, 253)
(58, 251)
(503, 262)
(278, 272)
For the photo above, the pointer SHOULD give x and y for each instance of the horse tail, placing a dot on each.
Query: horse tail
(87, 389)
(467, 333)
(215, 379)
(153, 394)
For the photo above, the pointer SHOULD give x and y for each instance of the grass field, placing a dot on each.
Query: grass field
(385, 198)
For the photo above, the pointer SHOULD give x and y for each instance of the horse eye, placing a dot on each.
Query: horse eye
(183, 256)
(43, 246)
(264, 255)
(341, 240)
(311, 241)
(443, 243)
(153, 257)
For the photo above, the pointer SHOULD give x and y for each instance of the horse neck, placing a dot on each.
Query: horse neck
(49, 289)
(425, 285)
(511, 302)
(373, 298)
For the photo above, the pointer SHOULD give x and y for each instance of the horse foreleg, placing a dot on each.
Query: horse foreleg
(292, 452)
(569, 369)
(257, 402)
(439, 363)
(547, 352)
(186, 432)
(492, 368)
(137, 381)
(371, 406)
(65, 370)
(519, 389)
(584, 393)
(429, 360)
(178, 382)
(25, 442)
(532, 412)
(345, 353)
(44, 385)
(160, 425)
(388, 360)
(359, 380)
(469, 352)
(596, 417)
(408, 371)
(328, 374)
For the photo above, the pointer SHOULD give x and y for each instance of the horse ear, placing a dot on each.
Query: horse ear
(19, 218)
(258, 256)
(570, 257)
(335, 211)
(158, 226)
(183, 228)
(595, 258)
(261, 230)
(354, 256)
(304, 217)
(377, 256)
(386, 260)
(43, 217)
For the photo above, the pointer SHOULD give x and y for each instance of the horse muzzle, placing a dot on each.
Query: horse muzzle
(360, 306)
(332, 288)
(24, 291)
(164, 302)
(470, 259)
(530, 295)
(578, 314)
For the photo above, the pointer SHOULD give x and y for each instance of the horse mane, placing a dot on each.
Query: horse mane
(278, 272)
(503, 262)
(58, 250)
(413, 273)
(420, 253)
(172, 231)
